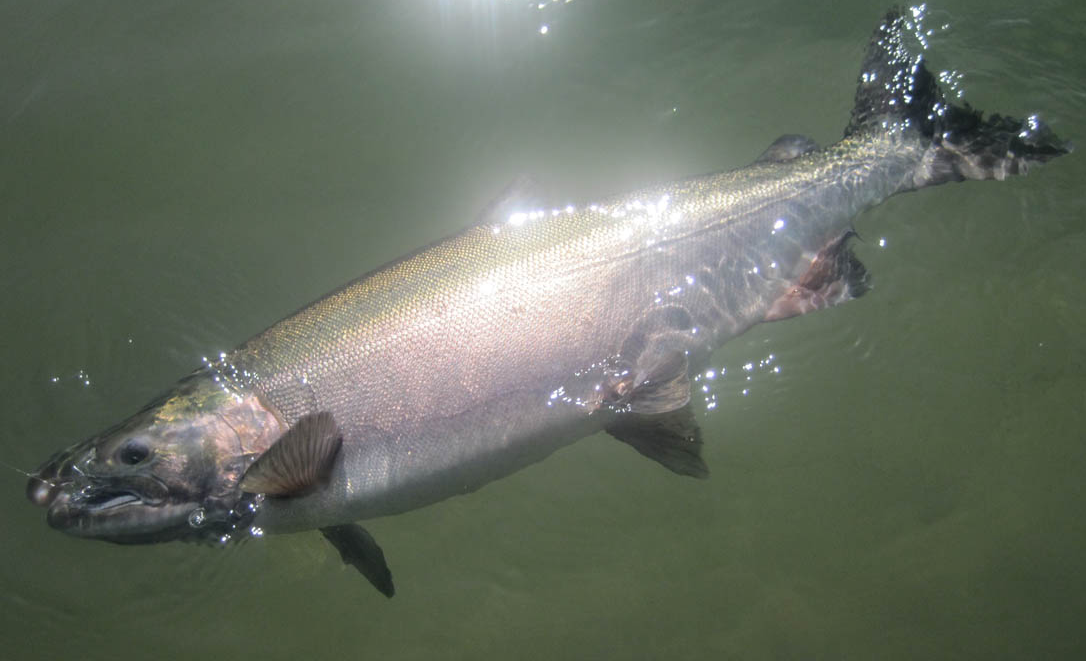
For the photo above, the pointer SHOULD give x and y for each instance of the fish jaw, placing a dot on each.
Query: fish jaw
(117, 515)
(170, 471)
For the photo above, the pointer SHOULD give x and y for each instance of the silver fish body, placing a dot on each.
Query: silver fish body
(486, 352)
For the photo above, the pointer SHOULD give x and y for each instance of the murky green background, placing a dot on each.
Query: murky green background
(175, 176)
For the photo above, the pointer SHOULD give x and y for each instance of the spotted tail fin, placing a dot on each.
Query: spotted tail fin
(896, 92)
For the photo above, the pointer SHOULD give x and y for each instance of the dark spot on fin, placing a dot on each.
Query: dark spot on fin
(786, 148)
(673, 439)
(971, 147)
(300, 460)
(895, 85)
(896, 92)
(358, 548)
(835, 276)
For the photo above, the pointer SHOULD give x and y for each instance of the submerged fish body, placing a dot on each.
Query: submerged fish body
(484, 353)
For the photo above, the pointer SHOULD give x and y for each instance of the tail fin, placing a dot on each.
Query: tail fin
(896, 92)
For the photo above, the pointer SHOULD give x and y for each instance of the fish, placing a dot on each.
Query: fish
(485, 352)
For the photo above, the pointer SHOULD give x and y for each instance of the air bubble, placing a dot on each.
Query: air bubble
(198, 517)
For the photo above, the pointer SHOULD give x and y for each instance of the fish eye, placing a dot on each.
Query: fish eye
(133, 452)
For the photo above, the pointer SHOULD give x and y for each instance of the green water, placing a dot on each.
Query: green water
(175, 176)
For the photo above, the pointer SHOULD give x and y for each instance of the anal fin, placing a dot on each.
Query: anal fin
(358, 548)
(835, 276)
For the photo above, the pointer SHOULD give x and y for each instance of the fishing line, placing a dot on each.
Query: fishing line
(22, 472)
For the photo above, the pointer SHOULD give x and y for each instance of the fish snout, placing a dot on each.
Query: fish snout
(40, 492)
(44, 483)
(52, 478)
(51, 487)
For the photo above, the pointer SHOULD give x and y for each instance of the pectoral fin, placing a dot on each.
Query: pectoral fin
(300, 460)
(358, 549)
(672, 439)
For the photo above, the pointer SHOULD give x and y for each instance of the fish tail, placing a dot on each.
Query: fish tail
(897, 93)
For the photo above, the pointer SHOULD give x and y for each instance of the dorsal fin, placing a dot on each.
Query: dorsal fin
(786, 148)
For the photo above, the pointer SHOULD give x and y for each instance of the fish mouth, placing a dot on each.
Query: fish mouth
(119, 516)
(107, 499)
(133, 510)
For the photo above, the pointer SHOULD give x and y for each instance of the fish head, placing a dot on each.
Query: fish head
(170, 471)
